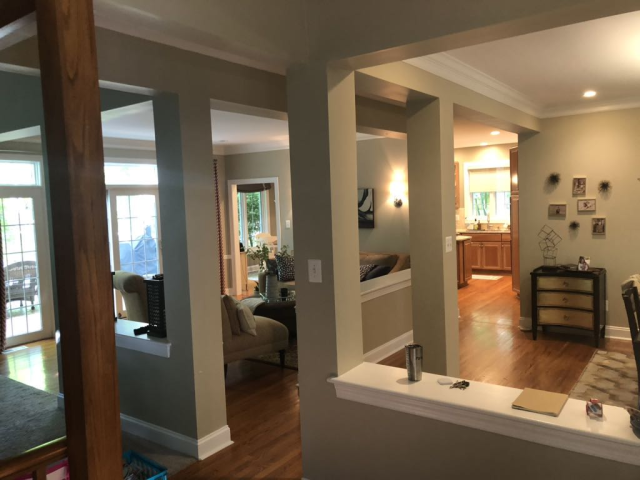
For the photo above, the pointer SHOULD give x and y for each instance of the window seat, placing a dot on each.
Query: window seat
(488, 407)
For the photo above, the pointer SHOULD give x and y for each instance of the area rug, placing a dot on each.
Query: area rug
(611, 378)
(290, 357)
(30, 417)
(485, 277)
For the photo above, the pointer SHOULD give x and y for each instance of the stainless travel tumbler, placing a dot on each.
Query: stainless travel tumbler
(413, 352)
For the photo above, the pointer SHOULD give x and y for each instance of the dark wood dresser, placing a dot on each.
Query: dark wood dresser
(569, 298)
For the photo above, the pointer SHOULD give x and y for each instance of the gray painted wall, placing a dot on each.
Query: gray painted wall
(600, 146)
(378, 160)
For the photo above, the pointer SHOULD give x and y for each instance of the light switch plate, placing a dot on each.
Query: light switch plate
(287, 224)
(315, 271)
(448, 244)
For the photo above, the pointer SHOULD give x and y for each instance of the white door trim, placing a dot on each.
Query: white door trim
(234, 248)
(45, 285)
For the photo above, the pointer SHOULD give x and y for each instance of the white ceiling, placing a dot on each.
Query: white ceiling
(547, 72)
(231, 133)
(471, 134)
(234, 133)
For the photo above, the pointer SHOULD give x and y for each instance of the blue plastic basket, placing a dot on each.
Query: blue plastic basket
(150, 468)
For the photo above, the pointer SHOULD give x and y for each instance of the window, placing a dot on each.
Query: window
(130, 174)
(19, 173)
(253, 216)
(490, 192)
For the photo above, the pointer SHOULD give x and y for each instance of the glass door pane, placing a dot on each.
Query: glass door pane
(22, 273)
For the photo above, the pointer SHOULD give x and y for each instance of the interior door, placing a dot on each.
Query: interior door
(29, 296)
(135, 239)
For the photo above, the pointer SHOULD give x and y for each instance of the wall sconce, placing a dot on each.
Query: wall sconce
(398, 189)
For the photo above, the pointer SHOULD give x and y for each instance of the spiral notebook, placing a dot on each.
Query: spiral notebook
(539, 401)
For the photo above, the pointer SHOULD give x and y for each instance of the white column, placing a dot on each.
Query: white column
(432, 219)
(189, 236)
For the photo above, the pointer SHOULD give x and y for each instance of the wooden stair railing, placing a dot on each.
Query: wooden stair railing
(34, 462)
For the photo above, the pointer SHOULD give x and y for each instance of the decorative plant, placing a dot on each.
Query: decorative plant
(261, 254)
(574, 225)
(604, 186)
(284, 251)
(553, 179)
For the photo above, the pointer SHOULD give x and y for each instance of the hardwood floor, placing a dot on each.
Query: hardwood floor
(493, 349)
(263, 404)
(36, 365)
(263, 415)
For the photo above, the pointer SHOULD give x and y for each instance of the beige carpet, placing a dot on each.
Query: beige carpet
(611, 378)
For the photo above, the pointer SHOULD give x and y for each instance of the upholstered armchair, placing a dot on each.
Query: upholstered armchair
(134, 294)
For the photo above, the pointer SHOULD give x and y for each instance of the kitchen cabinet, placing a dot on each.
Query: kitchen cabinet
(463, 250)
(506, 256)
(515, 221)
(490, 251)
(456, 184)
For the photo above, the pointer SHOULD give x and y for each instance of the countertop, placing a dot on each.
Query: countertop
(481, 231)
(462, 238)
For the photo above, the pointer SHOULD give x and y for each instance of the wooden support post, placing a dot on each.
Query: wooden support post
(66, 39)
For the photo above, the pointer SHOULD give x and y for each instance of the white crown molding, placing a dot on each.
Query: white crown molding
(564, 111)
(450, 68)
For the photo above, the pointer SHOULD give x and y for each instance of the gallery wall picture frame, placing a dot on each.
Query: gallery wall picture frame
(587, 205)
(365, 208)
(579, 186)
(598, 226)
(557, 209)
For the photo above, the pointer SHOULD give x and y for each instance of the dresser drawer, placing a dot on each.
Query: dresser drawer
(570, 300)
(569, 318)
(565, 283)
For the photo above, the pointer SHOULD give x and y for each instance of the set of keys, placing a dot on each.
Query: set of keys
(462, 385)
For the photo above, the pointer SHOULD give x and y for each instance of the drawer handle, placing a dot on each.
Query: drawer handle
(566, 317)
(565, 284)
(565, 299)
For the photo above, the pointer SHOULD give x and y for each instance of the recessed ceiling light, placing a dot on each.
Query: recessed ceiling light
(495, 132)
(589, 94)
(484, 144)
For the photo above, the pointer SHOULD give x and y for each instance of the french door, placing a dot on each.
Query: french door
(27, 264)
(134, 233)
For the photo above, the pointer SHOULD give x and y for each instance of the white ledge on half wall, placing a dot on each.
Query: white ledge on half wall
(380, 286)
(488, 407)
(125, 338)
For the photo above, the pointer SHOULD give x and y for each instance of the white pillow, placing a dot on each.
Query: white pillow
(246, 319)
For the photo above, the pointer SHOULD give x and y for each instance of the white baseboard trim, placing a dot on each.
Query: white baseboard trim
(383, 351)
(199, 449)
(621, 333)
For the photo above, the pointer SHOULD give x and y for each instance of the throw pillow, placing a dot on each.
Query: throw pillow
(364, 270)
(379, 271)
(286, 268)
(230, 304)
(247, 320)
